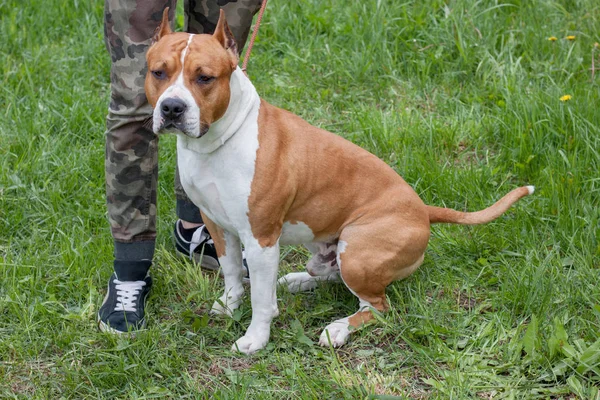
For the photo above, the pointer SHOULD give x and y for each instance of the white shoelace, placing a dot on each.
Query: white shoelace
(199, 237)
(127, 293)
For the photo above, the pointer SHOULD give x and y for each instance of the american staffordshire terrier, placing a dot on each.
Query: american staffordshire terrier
(263, 177)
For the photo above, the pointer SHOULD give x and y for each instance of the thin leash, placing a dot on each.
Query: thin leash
(263, 6)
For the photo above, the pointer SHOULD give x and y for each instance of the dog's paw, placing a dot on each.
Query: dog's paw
(335, 333)
(219, 309)
(298, 282)
(225, 307)
(249, 344)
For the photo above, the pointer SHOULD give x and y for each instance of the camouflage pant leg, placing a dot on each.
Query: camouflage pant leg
(201, 16)
(131, 163)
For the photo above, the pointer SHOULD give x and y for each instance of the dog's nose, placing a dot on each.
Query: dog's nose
(172, 108)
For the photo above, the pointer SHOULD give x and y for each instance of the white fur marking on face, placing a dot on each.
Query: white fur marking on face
(191, 118)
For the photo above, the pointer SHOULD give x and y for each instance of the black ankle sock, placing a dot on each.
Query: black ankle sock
(186, 233)
(131, 270)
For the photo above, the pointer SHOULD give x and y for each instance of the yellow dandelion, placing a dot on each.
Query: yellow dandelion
(566, 97)
(570, 37)
(552, 38)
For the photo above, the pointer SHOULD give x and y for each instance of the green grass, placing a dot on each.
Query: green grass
(460, 97)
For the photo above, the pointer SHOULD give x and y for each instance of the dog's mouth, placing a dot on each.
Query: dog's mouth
(194, 129)
(175, 127)
(170, 125)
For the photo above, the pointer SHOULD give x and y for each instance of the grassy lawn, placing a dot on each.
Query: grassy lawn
(462, 98)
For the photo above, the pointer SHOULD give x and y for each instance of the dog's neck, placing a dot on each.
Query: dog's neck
(243, 99)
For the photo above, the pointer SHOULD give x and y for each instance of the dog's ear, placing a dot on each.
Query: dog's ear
(164, 28)
(225, 37)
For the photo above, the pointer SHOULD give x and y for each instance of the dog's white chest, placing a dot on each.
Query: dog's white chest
(205, 188)
(219, 182)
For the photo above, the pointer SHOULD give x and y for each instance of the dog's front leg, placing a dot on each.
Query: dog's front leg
(233, 272)
(263, 263)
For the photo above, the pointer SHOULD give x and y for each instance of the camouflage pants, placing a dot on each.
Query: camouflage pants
(131, 163)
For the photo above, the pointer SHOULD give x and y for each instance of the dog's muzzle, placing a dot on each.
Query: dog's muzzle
(176, 110)
(172, 111)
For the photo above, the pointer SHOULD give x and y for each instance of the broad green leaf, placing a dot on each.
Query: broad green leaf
(575, 385)
(433, 382)
(589, 358)
(299, 333)
(558, 339)
(562, 367)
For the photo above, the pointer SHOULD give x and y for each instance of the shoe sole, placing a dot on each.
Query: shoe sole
(103, 327)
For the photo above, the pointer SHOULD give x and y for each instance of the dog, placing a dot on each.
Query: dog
(263, 177)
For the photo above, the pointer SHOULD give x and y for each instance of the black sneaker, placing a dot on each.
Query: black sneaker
(123, 308)
(197, 245)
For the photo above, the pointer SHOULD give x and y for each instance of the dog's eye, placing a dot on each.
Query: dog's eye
(159, 74)
(205, 79)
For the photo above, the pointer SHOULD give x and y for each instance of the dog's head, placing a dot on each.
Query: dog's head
(187, 82)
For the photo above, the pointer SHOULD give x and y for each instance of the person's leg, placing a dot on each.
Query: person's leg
(131, 163)
(202, 17)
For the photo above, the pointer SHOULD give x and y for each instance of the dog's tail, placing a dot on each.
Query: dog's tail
(447, 215)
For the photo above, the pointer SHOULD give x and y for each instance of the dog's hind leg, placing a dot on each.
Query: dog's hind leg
(368, 264)
(336, 333)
